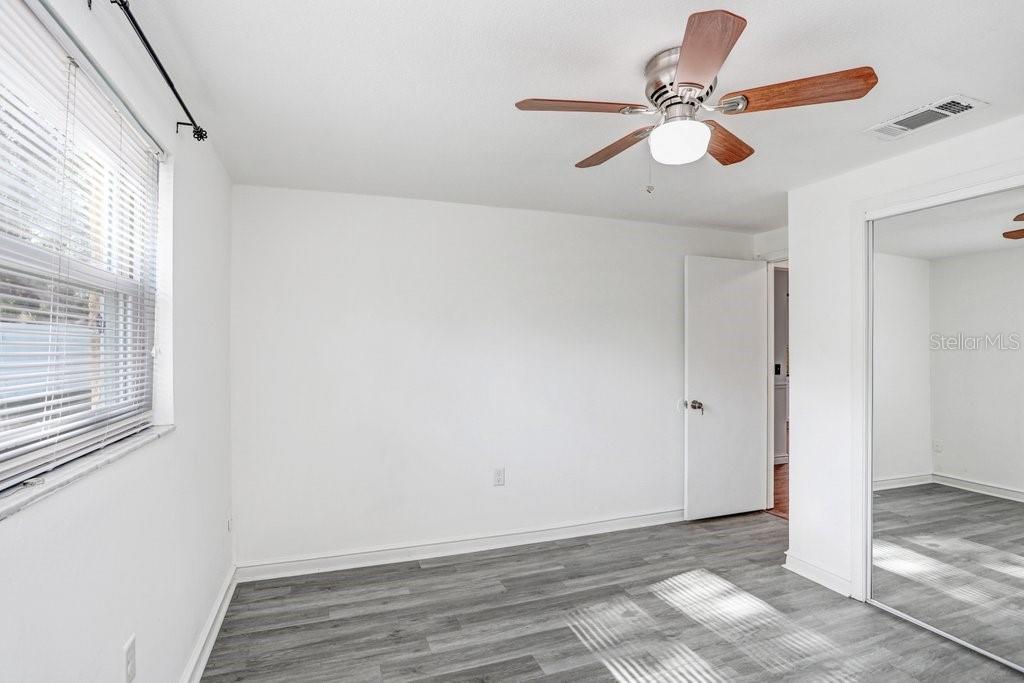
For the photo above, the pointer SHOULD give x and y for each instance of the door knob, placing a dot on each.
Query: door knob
(697, 405)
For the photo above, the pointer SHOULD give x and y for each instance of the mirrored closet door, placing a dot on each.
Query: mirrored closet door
(947, 420)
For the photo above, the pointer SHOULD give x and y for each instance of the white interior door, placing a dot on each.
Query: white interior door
(726, 337)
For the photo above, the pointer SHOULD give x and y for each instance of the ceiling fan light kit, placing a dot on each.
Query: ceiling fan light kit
(680, 84)
(679, 141)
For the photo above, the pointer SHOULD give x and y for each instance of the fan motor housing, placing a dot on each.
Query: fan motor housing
(663, 92)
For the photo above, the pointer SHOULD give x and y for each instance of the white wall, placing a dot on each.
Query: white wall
(902, 427)
(140, 546)
(969, 402)
(388, 354)
(978, 397)
(827, 251)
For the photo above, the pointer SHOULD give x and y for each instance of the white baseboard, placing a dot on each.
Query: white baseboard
(272, 569)
(818, 575)
(899, 482)
(978, 487)
(953, 481)
(201, 652)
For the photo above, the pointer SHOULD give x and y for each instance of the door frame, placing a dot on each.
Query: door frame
(863, 479)
(777, 263)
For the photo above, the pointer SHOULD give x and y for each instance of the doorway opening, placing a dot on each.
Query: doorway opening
(778, 429)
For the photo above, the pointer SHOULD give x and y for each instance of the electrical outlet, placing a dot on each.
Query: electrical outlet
(129, 660)
(936, 446)
(499, 476)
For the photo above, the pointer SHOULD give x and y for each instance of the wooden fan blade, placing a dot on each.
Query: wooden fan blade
(1019, 217)
(1014, 235)
(725, 147)
(708, 40)
(851, 84)
(577, 105)
(617, 147)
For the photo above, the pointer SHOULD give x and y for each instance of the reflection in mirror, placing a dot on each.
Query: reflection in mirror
(948, 421)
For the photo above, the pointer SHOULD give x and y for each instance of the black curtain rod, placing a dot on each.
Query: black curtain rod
(198, 132)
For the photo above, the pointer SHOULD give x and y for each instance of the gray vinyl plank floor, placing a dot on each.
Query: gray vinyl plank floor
(955, 560)
(696, 602)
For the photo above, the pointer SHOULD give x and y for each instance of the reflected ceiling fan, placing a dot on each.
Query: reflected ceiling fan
(1015, 234)
(680, 84)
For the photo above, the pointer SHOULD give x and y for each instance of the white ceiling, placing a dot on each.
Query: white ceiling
(415, 99)
(967, 227)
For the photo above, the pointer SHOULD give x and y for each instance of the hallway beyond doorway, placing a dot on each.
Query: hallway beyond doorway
(781, 506)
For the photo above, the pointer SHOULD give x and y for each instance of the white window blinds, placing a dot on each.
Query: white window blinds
(78, 207)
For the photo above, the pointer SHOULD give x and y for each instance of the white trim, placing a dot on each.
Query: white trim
(953, 481)
(943, 198)
(777, 256)
(208, 635)
(773, 459)
(862, 346)
(49, 483)
(163, 333)
(901, 482)
(775, 382)
(978, 486)
(312, 564)
(815, 573)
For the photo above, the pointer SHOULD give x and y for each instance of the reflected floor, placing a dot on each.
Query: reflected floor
(699, 602)
(953, 559)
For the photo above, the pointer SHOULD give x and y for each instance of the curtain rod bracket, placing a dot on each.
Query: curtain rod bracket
(198, 132)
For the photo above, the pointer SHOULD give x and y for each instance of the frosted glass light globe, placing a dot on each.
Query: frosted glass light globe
(681, 141)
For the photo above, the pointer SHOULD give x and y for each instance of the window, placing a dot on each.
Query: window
(78, 217)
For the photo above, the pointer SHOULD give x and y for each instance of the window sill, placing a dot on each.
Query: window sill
(18, 499)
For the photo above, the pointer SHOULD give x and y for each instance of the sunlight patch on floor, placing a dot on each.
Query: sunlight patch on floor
(941, 576)
(626, 640)
(763, 633)
(997, 560)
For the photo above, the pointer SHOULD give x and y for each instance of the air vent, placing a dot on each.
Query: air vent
(905, 124)
(955, 106)
(920, 119)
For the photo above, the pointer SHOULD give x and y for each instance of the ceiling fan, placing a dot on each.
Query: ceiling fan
(1015, 234)
(680, 83)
